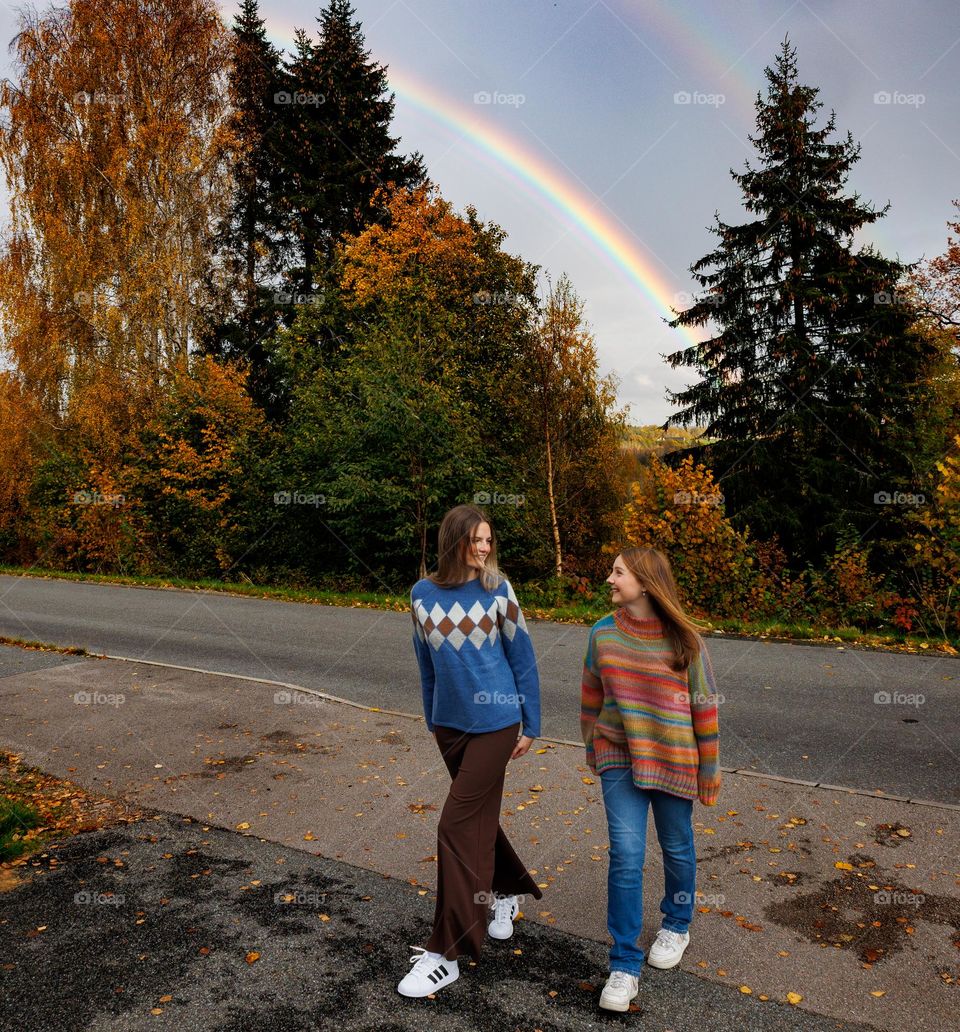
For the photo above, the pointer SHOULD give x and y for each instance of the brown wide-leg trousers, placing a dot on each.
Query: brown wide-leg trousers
(474, 856)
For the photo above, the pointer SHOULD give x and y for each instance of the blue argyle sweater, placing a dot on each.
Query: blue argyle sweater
(478, 671)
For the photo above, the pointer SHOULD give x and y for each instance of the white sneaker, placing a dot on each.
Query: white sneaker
(430, 972)
(505, 909)
(667, 948)
(620, 989)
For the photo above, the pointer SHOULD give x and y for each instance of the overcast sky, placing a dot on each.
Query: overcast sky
(600, 133)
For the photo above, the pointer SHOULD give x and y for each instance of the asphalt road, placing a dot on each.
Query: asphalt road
(868, 720)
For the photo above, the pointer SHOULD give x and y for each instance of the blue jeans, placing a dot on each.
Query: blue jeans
(626, 807)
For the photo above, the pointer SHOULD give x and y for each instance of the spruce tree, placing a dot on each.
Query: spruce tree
(249, 242)
(814, 375)
(339, 155)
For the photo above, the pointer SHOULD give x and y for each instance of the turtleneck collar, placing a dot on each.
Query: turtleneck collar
(649, 627)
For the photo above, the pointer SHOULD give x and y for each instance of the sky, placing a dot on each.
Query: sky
(600, 134)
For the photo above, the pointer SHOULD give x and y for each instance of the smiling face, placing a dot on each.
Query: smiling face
(625, 588)
(479, 546)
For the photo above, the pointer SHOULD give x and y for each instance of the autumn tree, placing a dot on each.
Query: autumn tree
(572, 421)
(814, 372)
(112, 149)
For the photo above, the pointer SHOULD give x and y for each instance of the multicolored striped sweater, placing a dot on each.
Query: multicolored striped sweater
(636, 711)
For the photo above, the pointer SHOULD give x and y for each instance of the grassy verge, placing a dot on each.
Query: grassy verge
(586, 612)
(37, 808)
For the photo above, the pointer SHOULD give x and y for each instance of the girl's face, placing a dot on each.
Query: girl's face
(625, 588)
(479, 546)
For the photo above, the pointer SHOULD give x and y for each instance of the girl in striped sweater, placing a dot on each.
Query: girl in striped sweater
(648, 716)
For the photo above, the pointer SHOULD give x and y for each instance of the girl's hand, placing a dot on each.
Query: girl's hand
(523, 744)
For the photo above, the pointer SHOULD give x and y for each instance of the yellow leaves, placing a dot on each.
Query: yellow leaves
(746, 990)
(794, 998)
(842, 865)
(309, 837)
(252, 957)
(588, 781)
(878, 992)
(242, 826)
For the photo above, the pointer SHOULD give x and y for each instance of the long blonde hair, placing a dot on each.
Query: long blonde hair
(652, 568)
(454, 540)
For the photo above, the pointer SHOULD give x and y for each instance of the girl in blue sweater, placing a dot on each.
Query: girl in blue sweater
(481, 701)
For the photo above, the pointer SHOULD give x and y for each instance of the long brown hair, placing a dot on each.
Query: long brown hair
(453, 542)
(652, 568)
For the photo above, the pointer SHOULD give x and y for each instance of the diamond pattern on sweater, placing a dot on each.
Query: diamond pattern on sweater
(457, 626)
(510, 615)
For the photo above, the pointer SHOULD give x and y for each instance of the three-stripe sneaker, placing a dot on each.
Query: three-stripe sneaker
(504, 911)
(430, 972)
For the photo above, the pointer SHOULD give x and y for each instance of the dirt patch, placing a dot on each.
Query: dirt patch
(866, 911)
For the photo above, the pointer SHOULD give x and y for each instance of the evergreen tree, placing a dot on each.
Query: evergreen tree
(814, 375)
(338, 152)
(250, 240)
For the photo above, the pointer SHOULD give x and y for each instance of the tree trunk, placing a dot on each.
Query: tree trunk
(558, 554)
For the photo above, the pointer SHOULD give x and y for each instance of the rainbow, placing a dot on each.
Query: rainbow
(550, 189)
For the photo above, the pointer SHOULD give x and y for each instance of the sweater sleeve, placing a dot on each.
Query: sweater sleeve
(518, 648)
(591, 699)
(422, 650)
(706, 729)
